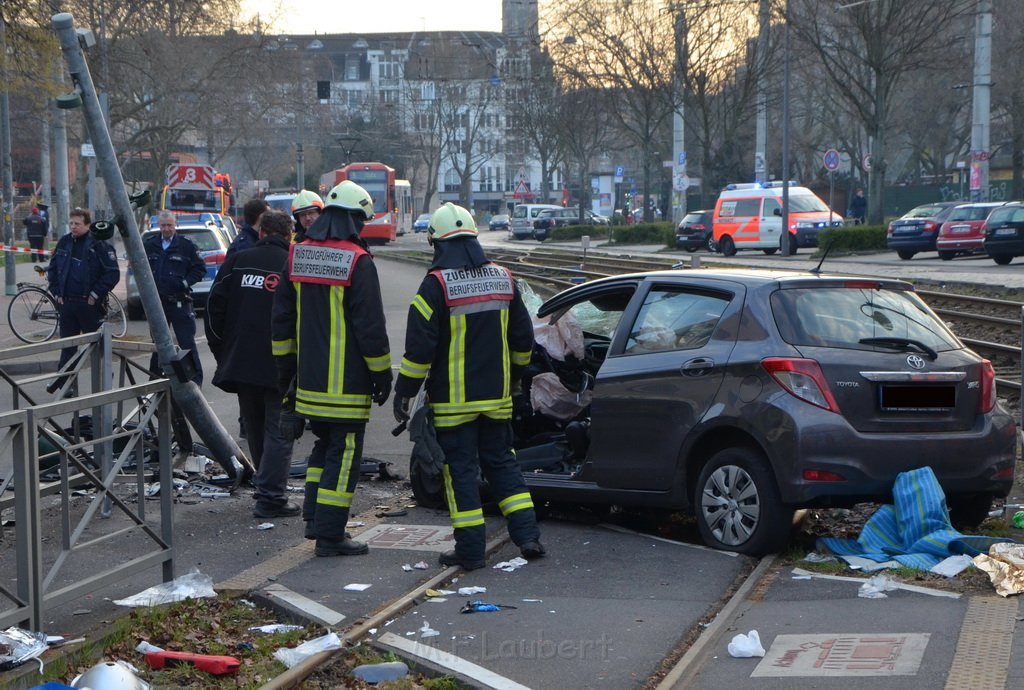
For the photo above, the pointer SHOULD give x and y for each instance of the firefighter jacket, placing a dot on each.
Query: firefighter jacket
(238, 315)
(470, 331)
(329, 313)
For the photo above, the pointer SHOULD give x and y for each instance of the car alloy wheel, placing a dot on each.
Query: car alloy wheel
(738, 505)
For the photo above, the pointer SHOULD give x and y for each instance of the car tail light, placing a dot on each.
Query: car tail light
(823, 476)
(1005, 473)
(217, 258)
(930, 226)
(802, 378)
(987, 399)
(698, 226)
(888, 231)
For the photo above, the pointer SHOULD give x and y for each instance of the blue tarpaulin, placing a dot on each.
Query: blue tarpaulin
(914, 530)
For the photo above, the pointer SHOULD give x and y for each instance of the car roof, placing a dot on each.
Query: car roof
(750, 277)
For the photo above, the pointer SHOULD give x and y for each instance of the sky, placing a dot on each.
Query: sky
(377, 16)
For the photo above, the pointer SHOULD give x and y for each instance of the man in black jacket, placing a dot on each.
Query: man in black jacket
(238, 332)
(249, 234)
(176, 266)
(83, 270)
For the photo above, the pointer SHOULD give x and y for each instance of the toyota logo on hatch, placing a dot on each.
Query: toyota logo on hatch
(915, 361)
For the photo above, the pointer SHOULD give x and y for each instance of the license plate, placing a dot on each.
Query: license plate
(918, 398)
(960, 228)
(1005, 232)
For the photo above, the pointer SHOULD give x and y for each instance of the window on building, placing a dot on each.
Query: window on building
(451, 181)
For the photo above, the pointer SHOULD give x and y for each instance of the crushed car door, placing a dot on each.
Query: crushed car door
(666, 364)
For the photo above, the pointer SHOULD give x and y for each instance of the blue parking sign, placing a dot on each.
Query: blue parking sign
(620, 170)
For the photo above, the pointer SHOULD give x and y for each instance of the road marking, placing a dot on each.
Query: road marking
(449, 661)
(843, 654)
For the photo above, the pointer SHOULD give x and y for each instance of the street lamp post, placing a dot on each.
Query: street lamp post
(785, 137)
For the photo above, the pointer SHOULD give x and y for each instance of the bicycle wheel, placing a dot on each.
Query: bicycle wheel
(116, 316)
(33, 315)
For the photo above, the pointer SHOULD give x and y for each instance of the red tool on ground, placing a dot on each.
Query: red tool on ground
(216, 665)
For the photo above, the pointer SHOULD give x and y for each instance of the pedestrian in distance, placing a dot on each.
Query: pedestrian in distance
(36, 229)
(858, 207)
(333, 359)
(237, 323)
(249, 233)
(176, 267)
(306, 208)
(469, 337)
(82, 272)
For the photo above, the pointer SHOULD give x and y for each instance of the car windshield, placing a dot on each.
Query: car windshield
(500, 218)
(804, 203)
(926, 211)
(843, 316)
(970, 213)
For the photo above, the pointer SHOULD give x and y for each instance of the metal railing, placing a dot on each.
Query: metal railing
(107, 451)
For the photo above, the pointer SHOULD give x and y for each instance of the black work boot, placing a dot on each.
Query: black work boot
(340, 547)
(532, 550)
(450, 558)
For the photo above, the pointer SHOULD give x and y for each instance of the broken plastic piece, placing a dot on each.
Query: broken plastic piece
(743, 646)
(470, 591)
(381, 673)
(194, 585)
(427, 631)
(877, 586)
(18, 646)
(293, 657)
(481, 606)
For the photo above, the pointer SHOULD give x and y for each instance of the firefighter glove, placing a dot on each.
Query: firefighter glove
(402, 407)
(380, 382)
(291, 426)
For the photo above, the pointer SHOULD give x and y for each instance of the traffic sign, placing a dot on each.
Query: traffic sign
(620, 170)
(680, 182)
(831, 160)
(682, 159)
(865, 162)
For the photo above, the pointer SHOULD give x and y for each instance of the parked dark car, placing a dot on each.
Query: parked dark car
(963, 233)
(916, 230)
(499, 221)
(549, 219)
(1004, 233)
(740, 395)
(696, 232)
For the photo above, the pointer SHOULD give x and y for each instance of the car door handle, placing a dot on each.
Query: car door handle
(697, 367)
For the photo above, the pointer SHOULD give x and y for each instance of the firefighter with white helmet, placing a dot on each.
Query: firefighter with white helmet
(469, 330)
(306, 208)
(329, 300)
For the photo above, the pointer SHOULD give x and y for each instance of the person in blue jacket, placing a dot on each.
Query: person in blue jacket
(176, 266)
(81, 273)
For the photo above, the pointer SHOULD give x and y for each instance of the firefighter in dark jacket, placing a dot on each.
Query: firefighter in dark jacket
(469, 336)
(238, 331)
(331, 345)
(176, 266)
(83, 270)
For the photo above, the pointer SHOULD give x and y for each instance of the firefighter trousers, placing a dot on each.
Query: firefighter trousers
(331, 477)
(484, 445)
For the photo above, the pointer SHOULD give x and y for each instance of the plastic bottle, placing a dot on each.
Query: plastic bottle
(1018, 519)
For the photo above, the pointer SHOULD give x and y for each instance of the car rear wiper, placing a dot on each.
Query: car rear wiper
(901, 343)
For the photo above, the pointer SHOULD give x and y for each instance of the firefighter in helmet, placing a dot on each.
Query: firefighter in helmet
(331, 349)
(469, 336)
(306, 208)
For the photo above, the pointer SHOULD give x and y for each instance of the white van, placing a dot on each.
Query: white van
(520, 226)
(749, 216)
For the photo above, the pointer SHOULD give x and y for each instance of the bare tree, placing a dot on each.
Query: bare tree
(867, 51)
(584, 133)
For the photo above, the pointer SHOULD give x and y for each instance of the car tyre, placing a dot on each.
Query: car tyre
(946, 255)
(738, 505)
(905, 254)
(771, 251)
(727, 246)
(967, 511)
(712, 245)
(1002, 259)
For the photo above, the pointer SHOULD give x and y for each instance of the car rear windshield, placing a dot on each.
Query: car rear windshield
(1013, 214)
(926, 211)
(970, 213)
(843, 316)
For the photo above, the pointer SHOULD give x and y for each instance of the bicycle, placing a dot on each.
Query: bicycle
(34, 314)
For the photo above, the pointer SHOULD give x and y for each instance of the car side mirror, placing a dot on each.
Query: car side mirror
(777, 212)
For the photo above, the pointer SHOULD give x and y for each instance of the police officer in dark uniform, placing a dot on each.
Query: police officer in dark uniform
(469, 336)
(333, 357)
(83, 270)
(176, 266)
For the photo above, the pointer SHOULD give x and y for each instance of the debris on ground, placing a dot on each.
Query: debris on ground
(1004, 564)
(194, 585)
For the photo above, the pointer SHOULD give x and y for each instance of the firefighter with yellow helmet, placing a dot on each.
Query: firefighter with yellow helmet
(468, 337)
(330, 344)
(306, 208)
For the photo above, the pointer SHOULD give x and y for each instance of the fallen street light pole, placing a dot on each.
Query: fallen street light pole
(186, 393)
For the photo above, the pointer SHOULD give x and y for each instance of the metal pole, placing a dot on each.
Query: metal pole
(59, 218)
(982, 88)
(186, 393)
(10, 277)
(761, 137)
(785, 138)
(679, 121)
(45, 181)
